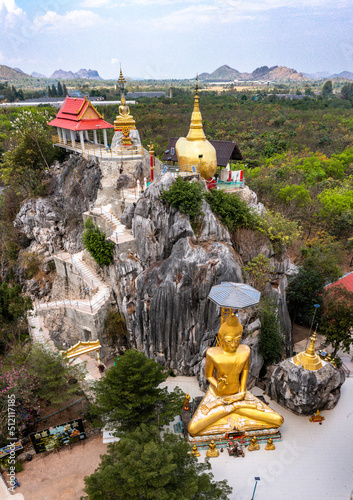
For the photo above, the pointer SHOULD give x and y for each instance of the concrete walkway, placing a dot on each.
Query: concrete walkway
(312, 462)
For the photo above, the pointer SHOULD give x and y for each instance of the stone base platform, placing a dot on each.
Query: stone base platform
(221, 440)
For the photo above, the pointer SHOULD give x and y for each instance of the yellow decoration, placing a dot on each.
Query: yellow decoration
(212, 450)
(317, 417)
(195, 149)
(309, 359)
(124, 119)
(83, 348)
(270, 445)
(195, 452)
(186, 402)
(254, 445)
(227, 405)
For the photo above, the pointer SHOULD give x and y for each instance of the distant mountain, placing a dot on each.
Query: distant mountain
(224, 73)
(20, 71)
(347, 75)
(60, 74)
(317, 76)
(11, 74)
(275, 73)
(37, 75)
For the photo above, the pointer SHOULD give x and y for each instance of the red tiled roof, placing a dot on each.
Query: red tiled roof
(80, 125)
(71, 113)
(346, 281)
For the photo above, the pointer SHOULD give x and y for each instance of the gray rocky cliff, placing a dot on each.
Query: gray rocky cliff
(305, 391)
(56, 222)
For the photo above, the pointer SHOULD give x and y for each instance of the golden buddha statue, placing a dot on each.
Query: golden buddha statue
(254, 445)
(227, 405)
(195, 452)
(195, 149)
(212, 450)
(270, 445)
(124, 119)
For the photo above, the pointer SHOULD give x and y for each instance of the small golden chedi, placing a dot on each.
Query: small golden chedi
(227, 405)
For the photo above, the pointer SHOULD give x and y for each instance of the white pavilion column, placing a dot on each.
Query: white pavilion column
(86, 135)
(82, 139)
(64, 136)
(59, 134)
(95, 136)
(72, 135)
(105, 138)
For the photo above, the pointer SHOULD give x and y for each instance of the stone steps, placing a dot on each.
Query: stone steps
(120, 233)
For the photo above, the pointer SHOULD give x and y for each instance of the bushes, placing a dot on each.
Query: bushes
(232, 210)
(271, 335)
(186, 196)
(95, 242)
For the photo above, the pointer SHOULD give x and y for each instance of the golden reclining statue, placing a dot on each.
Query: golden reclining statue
(227, 405)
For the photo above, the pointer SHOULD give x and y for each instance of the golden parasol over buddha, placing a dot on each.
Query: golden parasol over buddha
(227, 405)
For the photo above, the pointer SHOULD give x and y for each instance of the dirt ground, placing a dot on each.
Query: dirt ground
(59, 475)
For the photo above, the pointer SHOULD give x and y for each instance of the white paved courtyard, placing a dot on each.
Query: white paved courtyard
(312, 462)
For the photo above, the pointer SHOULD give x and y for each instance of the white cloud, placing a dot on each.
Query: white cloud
(94, 4)
(10, 13)
(114, 61)
(76, 18)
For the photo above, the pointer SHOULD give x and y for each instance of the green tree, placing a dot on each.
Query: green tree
(145, 465)
(303, 291)
(60, 89)
(347, 92)
(271, 338)
(49, 91)
(337, 318)
(31, 152)
(13, 308)
(186, 196)
(65, 93)
(54, 92)
(258, 270)
(129, 394)
(95, 242)
(327, 88)
(231, 209)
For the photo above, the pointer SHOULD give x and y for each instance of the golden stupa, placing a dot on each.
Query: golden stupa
(195, 149)
(309, 359)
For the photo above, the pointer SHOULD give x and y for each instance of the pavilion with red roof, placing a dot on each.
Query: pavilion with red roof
(75, 119)
(346, 281)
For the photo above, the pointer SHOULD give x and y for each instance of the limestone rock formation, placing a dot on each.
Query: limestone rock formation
(304, 391)
(56, 222)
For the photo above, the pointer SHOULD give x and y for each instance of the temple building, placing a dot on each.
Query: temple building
(76, 118)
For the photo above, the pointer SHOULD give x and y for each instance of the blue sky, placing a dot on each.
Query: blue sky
(175, 38)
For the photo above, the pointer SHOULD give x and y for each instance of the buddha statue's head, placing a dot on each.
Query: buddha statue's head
(230, 333)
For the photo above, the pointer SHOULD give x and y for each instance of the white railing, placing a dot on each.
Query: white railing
(99, 150)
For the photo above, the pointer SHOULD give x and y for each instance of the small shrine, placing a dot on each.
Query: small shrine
(195, 149)
(126, 134)
(75, 119)
(309, 359)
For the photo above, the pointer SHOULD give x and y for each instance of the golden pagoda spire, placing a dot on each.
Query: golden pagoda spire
(309, 359)
(196, 132)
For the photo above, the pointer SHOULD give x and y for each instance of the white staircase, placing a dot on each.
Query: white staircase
(119, 233)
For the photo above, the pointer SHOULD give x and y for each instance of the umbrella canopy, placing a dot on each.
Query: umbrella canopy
(234, 295)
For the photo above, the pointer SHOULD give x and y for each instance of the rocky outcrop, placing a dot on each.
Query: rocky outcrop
(56, 222)
(304, 391)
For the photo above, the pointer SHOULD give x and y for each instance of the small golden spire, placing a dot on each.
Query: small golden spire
(121, 79)
(309, 359)
(196, 132)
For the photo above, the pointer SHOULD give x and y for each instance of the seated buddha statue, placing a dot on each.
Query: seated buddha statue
(124, 109)
(227, 405)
